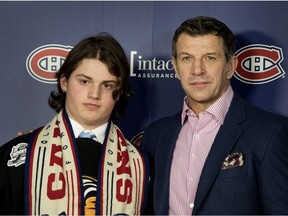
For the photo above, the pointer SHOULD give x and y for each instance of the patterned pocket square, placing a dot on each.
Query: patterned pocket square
(233, 160)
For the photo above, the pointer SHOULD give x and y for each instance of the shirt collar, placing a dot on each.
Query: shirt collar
(99, 131)
(219, 109)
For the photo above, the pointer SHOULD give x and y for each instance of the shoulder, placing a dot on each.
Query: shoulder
(242, 107)
(253, 118)
(167, 125)
(164, 122)
(260, 115)
(17, 140)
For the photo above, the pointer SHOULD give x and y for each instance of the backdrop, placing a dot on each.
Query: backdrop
(36, 37)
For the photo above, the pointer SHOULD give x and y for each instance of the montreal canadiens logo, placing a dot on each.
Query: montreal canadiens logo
(259, 64)
(43, 62)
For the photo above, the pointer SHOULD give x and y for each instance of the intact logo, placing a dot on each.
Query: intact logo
(259, 64)
(43, 62)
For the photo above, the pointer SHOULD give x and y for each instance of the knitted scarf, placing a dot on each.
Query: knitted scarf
(53, 174)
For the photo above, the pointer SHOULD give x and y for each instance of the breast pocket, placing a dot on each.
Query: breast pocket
(233, 172)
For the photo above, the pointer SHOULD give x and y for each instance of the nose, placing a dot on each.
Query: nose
(94, 92)
(197, 68)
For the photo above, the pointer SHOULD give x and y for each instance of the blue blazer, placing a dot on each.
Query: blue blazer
(259, 186)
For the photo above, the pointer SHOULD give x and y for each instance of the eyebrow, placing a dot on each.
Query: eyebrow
(85, 76)
(184, 53)
(90, 78)
(107, 81)
(208, 53)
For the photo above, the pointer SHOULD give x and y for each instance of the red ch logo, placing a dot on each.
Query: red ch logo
(259, 64)
(43, 62)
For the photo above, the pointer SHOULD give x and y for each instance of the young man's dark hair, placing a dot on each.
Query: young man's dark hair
(107, 50)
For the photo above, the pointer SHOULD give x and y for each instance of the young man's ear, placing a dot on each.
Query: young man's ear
(63, 83)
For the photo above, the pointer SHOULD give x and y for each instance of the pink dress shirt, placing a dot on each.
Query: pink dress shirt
(192, 147)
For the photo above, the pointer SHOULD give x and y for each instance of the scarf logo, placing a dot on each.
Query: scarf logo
(124, 187)
(18, 155)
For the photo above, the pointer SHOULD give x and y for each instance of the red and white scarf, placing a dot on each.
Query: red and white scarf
(53, 175)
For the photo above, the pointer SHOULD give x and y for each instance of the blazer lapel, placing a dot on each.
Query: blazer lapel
(222, 146)
(163, 158)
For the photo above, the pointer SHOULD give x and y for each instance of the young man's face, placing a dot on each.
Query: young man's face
(203, 69)
(89, 99)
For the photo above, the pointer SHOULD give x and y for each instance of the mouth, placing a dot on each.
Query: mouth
(199, 84)
(92, 105)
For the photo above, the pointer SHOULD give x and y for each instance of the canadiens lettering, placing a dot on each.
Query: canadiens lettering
(56, 179)
(59, 181)
(54, 159)
(123, 188)
(56, 187)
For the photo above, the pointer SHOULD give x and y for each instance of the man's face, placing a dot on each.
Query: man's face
(89, 89)
(202, 69)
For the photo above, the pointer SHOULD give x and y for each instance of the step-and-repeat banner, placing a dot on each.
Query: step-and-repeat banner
(36, 36)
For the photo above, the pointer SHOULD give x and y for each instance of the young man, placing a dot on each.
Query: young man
(53, 172)
(220, 154)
